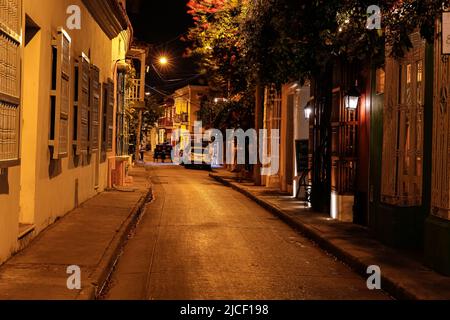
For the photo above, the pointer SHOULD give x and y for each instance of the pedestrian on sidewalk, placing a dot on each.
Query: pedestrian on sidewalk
(142, 150)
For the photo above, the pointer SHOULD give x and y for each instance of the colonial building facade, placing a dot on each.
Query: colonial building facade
(59, 95)
(383, 162)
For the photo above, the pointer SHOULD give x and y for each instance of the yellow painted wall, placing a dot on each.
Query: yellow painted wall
(47, 186)
(187, 101)
(181, 100)
(59, 185)
(194, 103)
(30, 125)
(9, 208)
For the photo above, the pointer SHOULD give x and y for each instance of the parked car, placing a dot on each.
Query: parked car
(198, 156)
(163, 152)
(158, 153)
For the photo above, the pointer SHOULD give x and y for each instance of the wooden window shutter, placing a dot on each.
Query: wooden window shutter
(95, 109)
(440, 189)
(110, 115)
(60, 95)
(84, 70)
(10, 77)
(390, 120)
(403, 127)
(104, 117)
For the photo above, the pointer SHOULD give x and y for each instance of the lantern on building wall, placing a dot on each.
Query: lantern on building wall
(308, 110)
(351, 98)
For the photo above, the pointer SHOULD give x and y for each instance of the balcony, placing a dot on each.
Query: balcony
(166, 123)
(136, 92)
(182, 118)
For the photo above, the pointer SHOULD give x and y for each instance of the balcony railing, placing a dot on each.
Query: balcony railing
(181, 118)
(165, 123)
(135, 92)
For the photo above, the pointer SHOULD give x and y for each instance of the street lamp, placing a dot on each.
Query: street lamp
(351, 98)
(163, 61)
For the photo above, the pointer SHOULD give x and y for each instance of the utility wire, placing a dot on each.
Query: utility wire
(159, 74)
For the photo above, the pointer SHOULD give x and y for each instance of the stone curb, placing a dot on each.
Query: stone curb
(390, 284)
(102, 273)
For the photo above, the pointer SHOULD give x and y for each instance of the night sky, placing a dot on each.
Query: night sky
(161, 24)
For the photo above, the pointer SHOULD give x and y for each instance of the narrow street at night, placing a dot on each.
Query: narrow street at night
(200, 240)
(224, 159)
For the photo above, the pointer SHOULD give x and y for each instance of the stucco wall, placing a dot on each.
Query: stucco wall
(294, 127)
(40, 189)
(55, 181)
(9, 211)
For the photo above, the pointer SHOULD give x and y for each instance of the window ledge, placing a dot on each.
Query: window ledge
(25, 230)
(9, 163)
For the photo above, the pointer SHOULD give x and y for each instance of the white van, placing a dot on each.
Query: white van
(198, 156)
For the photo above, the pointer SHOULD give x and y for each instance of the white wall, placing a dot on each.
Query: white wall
(301, 125)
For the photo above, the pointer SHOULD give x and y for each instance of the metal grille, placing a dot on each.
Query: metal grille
(9, 123)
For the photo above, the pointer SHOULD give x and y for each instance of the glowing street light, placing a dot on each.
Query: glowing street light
(163, 61)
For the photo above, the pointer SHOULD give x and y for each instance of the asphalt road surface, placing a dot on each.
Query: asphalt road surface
(201, 240)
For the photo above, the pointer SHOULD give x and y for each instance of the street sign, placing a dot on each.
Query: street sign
(446, 33)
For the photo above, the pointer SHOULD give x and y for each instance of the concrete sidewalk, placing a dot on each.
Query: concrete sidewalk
(90, 237)
(403, 276)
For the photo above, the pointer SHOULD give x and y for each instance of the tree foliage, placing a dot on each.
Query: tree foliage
(276, 41)
(215, 39)
(154, 109)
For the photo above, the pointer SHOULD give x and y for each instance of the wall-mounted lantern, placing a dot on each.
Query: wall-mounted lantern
(351, 98)
(308, 110)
